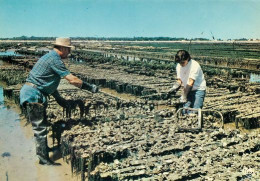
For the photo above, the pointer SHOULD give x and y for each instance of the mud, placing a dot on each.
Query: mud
(130, 130)
(18, 160)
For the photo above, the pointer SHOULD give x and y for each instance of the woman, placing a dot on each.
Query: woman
(191, 77)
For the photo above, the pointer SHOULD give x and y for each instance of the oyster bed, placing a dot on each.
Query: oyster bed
(131, 140)
(181, 157)
(105, 137)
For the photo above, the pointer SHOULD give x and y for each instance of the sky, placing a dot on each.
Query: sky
(223, 19)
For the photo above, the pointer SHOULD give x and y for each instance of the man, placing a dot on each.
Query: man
(190, 76)
(42, 81)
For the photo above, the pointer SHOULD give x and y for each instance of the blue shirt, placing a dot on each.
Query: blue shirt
(47, 72)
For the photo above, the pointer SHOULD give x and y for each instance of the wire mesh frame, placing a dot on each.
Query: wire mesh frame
(192, 109)
(200, 120)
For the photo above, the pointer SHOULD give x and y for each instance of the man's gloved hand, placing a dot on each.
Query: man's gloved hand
(63, 102)
(71, 104)
(67, 103)
(60, 100)
(90, 87)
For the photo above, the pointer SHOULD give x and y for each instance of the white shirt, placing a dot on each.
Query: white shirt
(191, 70)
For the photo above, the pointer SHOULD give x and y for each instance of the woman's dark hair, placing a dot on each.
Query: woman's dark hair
(182, 55)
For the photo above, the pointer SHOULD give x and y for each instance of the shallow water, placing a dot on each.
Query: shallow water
(17, 150)
(254, 78)
(10, 53)
(123, 96)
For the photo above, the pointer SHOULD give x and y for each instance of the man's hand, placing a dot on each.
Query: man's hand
(71, 104)
(68, 104)
(90, 87)
(63, 102)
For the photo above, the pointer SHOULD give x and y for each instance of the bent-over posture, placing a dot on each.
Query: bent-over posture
(191, 77)
(42, 81)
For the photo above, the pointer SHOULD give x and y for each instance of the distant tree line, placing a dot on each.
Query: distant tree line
(130, 38)
(107, 38)
(29, 38)
(160, 38)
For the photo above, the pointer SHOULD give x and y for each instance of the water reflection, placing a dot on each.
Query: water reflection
(18, 160)
(254, 78)
(15, 147)
(9, 53)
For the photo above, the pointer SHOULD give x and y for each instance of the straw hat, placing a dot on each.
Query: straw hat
(64, 42)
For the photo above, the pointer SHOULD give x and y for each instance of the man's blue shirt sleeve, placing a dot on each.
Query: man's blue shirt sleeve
(59, 67)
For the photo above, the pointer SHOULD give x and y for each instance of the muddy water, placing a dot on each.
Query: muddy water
(123, 96)
(17, 150)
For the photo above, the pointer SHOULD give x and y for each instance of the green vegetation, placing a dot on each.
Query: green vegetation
(225, 50)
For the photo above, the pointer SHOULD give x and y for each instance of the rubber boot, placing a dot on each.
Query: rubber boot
(37, 116)
(42, 152)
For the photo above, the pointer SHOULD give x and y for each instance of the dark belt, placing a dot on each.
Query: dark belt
(31, 84)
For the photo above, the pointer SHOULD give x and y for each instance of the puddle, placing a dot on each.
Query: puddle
(10, 53)
(17, 150)
(232, 126)
(255, 78)
(114, 93)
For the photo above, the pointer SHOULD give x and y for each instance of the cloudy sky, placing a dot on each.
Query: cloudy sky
(223, 19)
